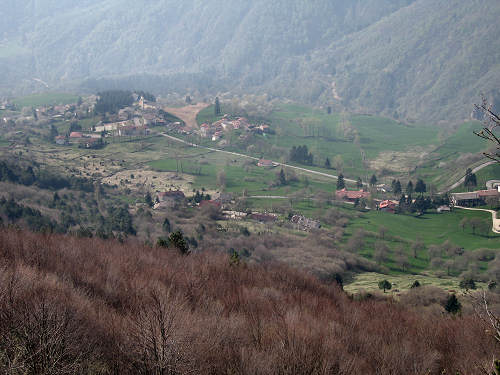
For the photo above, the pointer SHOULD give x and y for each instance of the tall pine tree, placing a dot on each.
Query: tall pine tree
(340, 182)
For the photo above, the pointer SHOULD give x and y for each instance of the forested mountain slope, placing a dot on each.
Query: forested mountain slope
(86, 306)
(410, 58)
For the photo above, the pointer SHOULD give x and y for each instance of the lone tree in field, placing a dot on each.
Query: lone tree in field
(217, 109)
(453, 305)
(416, 284)
(340, 182)
(385, 285)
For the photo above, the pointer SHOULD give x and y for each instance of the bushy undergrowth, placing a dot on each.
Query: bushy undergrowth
(76, 305)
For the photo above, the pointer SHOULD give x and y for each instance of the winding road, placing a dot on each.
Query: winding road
(474, 170)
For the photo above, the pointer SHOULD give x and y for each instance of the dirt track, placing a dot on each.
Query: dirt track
(188, 113)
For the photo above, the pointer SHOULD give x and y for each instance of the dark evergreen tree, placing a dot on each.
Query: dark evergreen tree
(420, 187)
(340, 182)
(416, 284)
(327, 163)
(385, 285)
(409, 188)
(112, 101)
(470, 180)
(217, 109)
(149, 199)
(373, 180)
(301, 154)
(453, 305)
(177, 240)
(166, 225)
(397, 188)
(282, 177)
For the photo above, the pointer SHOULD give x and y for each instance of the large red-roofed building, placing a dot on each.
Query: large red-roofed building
(351, 195)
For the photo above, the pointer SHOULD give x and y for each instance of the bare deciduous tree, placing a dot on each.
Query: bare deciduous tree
(155, 342)
(489, 132)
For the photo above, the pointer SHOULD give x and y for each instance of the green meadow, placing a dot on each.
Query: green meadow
(45, 99)
(425, 151)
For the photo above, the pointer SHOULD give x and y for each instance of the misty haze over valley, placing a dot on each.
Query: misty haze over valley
(409, 59)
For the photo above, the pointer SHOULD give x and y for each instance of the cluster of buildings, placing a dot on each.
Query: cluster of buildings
(84, 140)
(216, 130)
(133, 120)
(474, 198)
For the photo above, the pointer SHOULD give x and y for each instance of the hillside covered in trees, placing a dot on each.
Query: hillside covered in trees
(411, 59)
(88, 306)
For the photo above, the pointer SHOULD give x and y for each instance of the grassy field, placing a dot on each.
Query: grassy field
(368, 282)
(419, 149)
(239, 175)
(45, 99)
(207, 115)
(431, 229)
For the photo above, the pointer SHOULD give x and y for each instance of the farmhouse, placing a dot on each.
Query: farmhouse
(109, 127)
(265, 163)
(350, 195)
(387, 206)
(473, 198)
(76, 135)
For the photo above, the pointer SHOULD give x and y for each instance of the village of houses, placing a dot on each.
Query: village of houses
(215, 131)
(136, 121)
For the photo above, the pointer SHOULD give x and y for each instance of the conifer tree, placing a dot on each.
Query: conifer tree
(340, 182)
(453, 305)
(409, 188)
(327, 163)
(217, 108)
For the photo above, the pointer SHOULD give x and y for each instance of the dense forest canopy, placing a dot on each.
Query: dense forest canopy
(412, 59)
